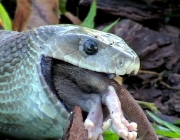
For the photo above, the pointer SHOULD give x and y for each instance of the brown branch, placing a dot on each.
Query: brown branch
(157, 79)
(168, 86)
(148, 72)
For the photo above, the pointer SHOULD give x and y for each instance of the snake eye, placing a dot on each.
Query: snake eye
(90, 47)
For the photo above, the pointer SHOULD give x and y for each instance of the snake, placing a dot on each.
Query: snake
(29, 106)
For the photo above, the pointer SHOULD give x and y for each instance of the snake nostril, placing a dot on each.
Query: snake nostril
(119, 65)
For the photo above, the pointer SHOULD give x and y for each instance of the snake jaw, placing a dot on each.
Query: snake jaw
(127, 66)
(134, 67)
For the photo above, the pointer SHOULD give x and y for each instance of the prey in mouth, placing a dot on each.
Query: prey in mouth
(48, 70)
(91, 90)
(80, 78)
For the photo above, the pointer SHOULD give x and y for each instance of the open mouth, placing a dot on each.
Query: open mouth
(74, 84)
(92, 91)
(63, 78)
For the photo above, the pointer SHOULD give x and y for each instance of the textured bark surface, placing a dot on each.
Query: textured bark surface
(154, 48)
(129, 9)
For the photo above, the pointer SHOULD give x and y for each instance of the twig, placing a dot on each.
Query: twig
(148, 72)
(157, 79)
(168, 86)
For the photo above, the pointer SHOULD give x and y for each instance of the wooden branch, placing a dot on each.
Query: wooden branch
(129, 9)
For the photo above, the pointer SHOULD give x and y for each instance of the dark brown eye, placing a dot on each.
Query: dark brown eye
(90, 47)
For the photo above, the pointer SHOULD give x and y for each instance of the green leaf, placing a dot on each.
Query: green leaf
(167, 124)
(178, 121)
(89, 20)
(63, 6)
(149, 105)
(164, 131)
(5, 18)
(110, 135)
(108, 28)
(159, 127)
(168, 134)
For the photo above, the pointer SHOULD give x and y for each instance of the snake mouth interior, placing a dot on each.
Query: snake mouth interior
(48, 67)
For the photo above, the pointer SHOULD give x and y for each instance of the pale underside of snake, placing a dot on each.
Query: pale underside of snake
(31, 107)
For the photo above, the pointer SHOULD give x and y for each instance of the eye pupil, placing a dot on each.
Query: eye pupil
(90, 47)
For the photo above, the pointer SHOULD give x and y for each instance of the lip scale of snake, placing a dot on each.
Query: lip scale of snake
(34, 104)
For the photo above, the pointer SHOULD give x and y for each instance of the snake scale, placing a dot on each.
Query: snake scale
(29, 106)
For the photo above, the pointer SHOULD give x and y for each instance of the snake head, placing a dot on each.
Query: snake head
(87, 48)
(28, 92)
